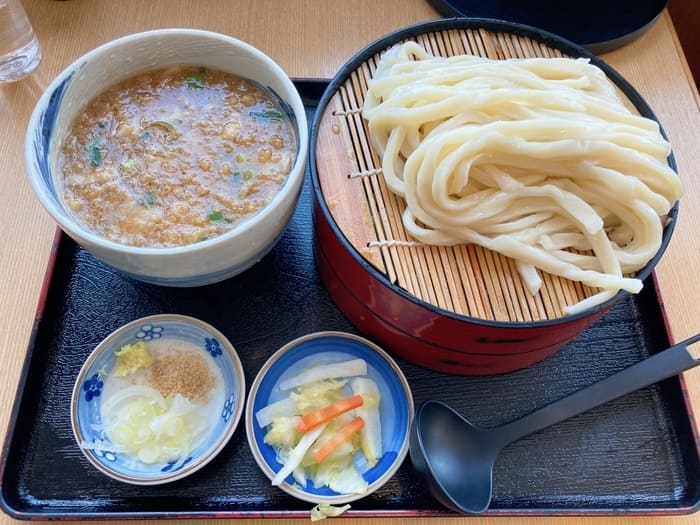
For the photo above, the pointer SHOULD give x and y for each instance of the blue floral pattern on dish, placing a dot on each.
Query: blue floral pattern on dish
(149, 332)
(213, 347)
(170, 464)
(229, 406)
(102, 452)
(93, 387)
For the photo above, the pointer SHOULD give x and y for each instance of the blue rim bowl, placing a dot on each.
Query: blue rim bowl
(195, 264)
(396, 406)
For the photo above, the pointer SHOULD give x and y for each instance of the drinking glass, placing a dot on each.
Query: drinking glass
(20, 52)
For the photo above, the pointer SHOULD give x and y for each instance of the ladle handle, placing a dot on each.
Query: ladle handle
(659, 366)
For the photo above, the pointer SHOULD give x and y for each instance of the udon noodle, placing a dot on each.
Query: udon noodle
(537, 159)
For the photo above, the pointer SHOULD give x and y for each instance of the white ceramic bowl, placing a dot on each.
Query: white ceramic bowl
(191, 265)
(88, 395)
(321, 348)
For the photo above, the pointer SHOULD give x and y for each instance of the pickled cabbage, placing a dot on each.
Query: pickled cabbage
(315, 388)
(371, 433)
(324, 510)
(354, 367)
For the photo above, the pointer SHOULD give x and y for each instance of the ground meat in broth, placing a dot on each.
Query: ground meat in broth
(175, 156)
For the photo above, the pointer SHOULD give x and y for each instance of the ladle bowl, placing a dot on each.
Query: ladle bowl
(455, 458)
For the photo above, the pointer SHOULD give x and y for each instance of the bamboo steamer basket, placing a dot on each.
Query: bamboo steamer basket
(462, 309)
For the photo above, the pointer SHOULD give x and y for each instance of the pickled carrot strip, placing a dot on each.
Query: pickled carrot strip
(341, 436)
(328, 412)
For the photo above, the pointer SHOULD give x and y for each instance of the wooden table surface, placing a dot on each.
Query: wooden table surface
(310, 39)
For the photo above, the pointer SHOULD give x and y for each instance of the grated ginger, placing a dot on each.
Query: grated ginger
(132, 357)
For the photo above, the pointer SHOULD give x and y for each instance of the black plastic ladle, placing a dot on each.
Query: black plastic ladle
(455, 458)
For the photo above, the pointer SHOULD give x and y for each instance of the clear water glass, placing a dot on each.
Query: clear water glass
(20, 52)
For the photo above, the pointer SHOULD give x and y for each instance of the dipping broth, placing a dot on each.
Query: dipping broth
(175, 156)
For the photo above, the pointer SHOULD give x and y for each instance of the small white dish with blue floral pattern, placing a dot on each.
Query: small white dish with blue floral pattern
(89, 395)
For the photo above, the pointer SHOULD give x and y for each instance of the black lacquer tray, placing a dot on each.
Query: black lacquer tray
(637, 455)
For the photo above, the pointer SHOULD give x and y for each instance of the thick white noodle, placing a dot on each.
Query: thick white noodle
(537, 159)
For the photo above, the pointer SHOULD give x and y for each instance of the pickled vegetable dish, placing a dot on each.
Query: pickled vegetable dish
(175, 156)
(327, 430)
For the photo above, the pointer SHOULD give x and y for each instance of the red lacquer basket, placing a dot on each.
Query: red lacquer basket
(461, 309)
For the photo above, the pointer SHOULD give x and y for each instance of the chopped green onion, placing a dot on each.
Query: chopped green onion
(101, 125)
(94, 152)
(240, 158)
(167, 126)
(95, 156)
(217, 216)
(195, 80)
(149, 198)
(248, 174)
(128, 164)
(272, 115)
(145, 136)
